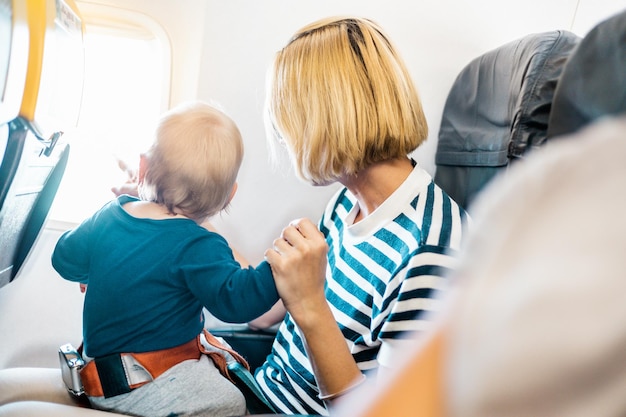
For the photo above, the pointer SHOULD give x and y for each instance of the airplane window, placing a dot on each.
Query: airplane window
(126, 89)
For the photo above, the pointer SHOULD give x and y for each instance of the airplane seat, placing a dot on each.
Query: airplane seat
(30, 186)
(34, 154)
(593, 82)
(497, 110)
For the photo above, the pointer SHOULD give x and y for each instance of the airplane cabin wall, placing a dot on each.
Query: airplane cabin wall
(221, 51)
(435, 37)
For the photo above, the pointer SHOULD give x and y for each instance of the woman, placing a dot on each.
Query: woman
(341, 101)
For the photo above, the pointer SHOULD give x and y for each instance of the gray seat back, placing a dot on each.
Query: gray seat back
(498, 109)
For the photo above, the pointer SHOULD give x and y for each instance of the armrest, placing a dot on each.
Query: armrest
(255, 400)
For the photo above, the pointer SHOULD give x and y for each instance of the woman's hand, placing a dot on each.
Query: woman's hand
(298, 261)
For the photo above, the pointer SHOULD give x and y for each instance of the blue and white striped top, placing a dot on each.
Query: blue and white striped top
(383, 276)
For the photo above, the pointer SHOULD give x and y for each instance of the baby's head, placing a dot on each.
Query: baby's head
(192, 165)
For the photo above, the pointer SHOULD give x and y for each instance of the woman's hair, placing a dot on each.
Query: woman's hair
(341, 99)
(193, 164)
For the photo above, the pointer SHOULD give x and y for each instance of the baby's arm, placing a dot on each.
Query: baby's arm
(238, 256)
(273, 316)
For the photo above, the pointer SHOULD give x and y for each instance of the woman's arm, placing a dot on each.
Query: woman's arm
(298, 261)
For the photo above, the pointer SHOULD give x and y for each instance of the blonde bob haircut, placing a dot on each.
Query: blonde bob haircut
(193, 163)
(341, 99)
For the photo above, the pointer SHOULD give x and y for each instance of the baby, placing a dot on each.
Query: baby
(150, 268)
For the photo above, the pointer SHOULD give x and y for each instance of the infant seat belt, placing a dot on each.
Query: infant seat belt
(120, 373)
(218, 358)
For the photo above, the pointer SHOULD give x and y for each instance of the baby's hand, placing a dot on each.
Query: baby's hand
(83, 288)
(131, 184)
(129, 188)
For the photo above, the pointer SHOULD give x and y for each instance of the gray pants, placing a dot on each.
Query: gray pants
(191, 388)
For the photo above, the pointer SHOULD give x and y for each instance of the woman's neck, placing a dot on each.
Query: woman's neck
(374, 184)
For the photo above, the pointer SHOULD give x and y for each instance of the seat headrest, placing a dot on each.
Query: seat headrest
(504, 95)
(593, 83)
(497, 108)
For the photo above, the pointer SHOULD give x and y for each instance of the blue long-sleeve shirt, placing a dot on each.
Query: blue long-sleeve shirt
(148, 280)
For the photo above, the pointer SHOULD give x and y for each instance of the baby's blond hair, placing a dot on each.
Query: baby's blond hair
(193, 163)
